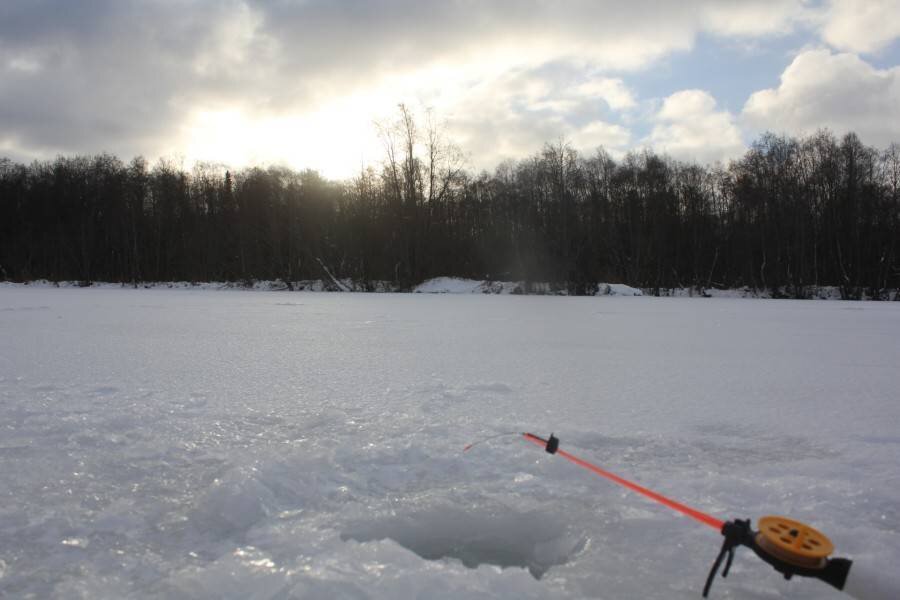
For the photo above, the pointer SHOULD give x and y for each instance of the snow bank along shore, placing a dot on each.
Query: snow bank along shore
(457, 285)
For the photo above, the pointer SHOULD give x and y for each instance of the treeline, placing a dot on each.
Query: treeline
(789, 216)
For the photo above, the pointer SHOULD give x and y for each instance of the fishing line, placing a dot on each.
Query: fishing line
(489, 438)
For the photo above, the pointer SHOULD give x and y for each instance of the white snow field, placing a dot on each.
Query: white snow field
(209, 444)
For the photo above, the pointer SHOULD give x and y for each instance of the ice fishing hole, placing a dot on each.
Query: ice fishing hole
(530, 540)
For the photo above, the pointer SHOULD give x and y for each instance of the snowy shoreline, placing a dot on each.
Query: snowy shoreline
(456, 285)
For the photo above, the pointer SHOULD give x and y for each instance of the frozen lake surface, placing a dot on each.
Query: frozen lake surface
(159, 443)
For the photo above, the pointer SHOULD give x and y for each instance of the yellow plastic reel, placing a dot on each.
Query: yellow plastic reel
(793, 542)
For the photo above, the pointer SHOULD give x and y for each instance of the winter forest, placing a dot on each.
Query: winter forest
(789, 215)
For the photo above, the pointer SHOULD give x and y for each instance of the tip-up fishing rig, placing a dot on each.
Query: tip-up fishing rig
(789, 546)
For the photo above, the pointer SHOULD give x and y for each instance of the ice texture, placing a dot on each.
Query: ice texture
(192, 443)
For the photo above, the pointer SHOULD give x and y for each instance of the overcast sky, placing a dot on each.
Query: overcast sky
(302, 82)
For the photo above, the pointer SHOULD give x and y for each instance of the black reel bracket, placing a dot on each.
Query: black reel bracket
(790, 547)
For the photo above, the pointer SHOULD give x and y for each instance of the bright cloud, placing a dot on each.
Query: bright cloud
(691, 127)
(862, 25)
(737, 18)
(515, 114)
(839, 91)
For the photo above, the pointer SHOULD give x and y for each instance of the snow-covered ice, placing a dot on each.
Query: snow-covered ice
(192, 443)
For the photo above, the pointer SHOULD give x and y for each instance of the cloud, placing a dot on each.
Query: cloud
(515, 114)
(839, 91)
(107, 75)
(738, 18)
(689, 126)
(367, 37)
(612, 91)
(597, 134)
(152, 77)
(861, 25)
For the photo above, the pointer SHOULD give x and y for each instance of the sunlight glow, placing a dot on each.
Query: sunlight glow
(337, 137)
(318, 140)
